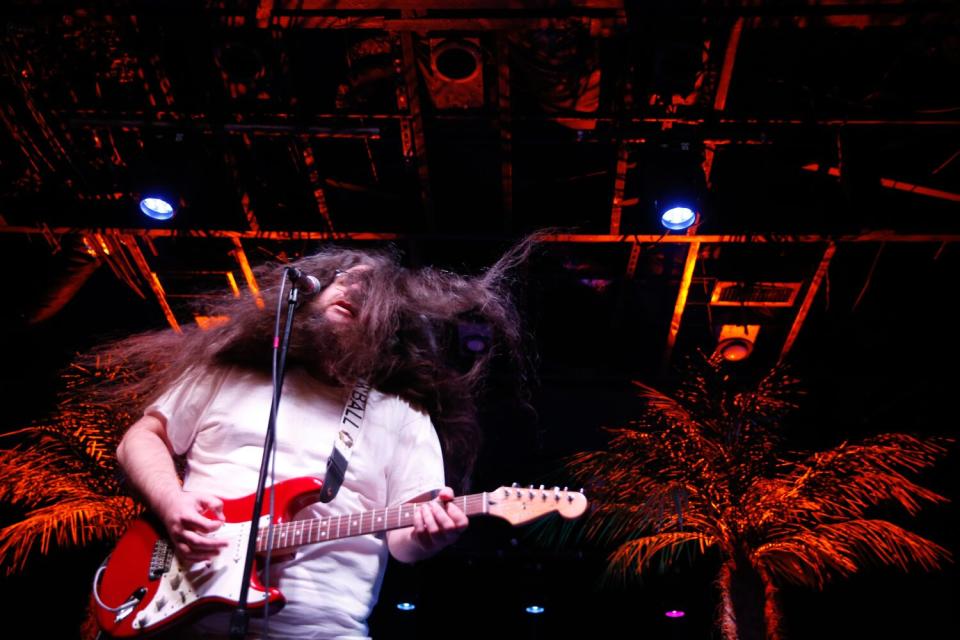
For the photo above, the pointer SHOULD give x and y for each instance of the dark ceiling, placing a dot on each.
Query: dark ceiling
(801, 129)
(820, 139)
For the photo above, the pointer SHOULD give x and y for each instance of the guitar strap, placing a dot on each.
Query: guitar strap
(350, 422)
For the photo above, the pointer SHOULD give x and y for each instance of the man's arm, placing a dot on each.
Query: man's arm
(146, 455)
(436, 524)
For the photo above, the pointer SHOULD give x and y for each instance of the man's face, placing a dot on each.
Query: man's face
(338, 302)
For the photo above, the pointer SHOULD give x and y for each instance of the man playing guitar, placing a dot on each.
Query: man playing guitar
(207, 402)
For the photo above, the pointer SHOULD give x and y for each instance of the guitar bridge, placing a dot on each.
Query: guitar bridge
(160, 559)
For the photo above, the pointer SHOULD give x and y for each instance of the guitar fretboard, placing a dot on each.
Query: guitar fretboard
(288, 535)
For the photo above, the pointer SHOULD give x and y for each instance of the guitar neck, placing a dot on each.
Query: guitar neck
(289, 535)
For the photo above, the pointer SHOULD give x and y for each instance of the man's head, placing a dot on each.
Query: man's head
(341, 300)
(338, 335)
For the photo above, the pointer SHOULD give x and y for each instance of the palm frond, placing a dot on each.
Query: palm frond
(813, 555)
(62, 477)
(609, 471)
(664, 406)
(76, 521)
(94, 430)
(803, 560)
(29, 478)
(611, 522)
(711, 396)
(846, 480)
(636, 555)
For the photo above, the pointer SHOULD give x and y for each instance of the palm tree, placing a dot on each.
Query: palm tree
(61, 480)
(704, 470)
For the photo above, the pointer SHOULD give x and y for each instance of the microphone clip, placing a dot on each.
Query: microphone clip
(307, 284)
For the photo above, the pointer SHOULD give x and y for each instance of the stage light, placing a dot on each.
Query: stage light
(534, 609)
(475, 344)
(675, 182)
(406, 606)
(674, 613)
(678, 218)
(454, 77)
(736, 341)
(475, 338)
(457, 60)
(157, 208)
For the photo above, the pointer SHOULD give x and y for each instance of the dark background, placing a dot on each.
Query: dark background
(868, 89)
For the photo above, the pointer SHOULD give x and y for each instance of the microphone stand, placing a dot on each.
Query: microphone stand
(240, 619)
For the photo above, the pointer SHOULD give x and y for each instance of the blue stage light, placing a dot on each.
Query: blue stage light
(678, 218)
(157, 208)
(534, 609)
(406, 606)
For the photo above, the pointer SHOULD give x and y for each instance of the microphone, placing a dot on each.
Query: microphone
(309, 285)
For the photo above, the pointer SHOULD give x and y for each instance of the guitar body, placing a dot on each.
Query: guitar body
(143, 588)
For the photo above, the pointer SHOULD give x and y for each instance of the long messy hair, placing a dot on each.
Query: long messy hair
(404, 341)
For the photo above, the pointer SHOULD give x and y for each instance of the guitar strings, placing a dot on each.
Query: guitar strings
(332, 527)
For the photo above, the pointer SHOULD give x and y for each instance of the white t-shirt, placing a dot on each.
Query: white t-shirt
(218, 420)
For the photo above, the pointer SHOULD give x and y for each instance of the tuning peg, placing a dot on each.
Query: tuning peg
(556, 493)
(515, 485)
(531, 492)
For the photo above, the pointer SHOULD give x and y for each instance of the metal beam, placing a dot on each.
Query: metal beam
(619, 184)
(201, 123)
(652, 239)
(408, 99)
(723, 90)
(417, 25)
(943, 9)
(130, 243)
(898, 185)
(241, 257)
(726, 70)
(867, 236)
(243, 196)
(444, 5)
(314, 176)
(692, 252)
(622, 108)
(335, 125)
(808, 300)
(633, 260)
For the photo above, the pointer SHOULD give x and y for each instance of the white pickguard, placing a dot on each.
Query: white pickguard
(221, 577)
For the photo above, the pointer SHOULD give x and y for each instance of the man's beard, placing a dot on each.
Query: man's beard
(334, 352)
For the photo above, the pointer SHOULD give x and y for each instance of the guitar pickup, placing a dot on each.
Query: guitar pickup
(176, 580)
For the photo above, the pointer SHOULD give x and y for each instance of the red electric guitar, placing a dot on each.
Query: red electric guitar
(142, 587)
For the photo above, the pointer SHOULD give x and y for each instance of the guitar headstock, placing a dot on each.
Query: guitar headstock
(519, 505)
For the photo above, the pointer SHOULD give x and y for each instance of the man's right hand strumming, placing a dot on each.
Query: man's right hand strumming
(189, 519)
(146, 456)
